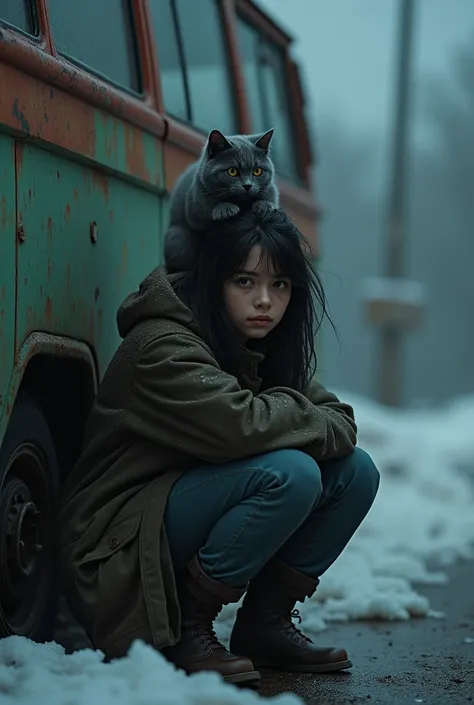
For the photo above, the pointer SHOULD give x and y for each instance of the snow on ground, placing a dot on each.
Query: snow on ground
(423, 513)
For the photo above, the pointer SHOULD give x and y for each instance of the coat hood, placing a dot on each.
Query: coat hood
(155, 298)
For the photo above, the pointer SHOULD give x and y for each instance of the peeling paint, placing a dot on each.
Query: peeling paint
(20, 116)
(135, 153)
(49, 228)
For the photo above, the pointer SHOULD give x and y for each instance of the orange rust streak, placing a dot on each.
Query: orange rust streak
(135, 153)
(176, 161)
(67, 213)
(101, 182)
(48, 311)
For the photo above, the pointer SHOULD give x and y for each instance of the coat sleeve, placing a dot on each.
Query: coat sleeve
(342, 429)
(183, 399)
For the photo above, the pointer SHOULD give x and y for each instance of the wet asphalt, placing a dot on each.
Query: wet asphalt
(420, 661)
(399, 663)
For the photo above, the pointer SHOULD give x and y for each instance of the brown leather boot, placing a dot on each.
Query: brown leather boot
(264, 630)
(201, 599)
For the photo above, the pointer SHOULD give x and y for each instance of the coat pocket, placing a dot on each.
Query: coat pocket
(116, 537)
(107, 580)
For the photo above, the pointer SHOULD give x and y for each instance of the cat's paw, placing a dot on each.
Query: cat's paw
(224, 211)
(262, 208)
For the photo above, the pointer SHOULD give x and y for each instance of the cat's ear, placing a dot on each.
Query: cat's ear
(216, 143)
(263, 141)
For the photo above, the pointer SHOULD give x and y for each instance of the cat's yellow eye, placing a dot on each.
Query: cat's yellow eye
(258, 171)
(232, 171)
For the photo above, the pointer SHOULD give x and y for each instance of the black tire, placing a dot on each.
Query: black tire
(29, 487)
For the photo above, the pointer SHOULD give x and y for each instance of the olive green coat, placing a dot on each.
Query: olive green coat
(163, 406)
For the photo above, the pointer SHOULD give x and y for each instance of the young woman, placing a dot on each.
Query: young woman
(213, 465)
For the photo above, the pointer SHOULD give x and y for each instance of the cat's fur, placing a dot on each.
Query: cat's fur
(205, 192)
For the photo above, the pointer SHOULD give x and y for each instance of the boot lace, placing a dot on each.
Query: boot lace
(206, 636)
(291, 629)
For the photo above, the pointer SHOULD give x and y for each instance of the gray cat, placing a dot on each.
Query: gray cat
(232, 173)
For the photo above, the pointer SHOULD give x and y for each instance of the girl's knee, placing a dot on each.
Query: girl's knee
(363, 472)
(299, 473)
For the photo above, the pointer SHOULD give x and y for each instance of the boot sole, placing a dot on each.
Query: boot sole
(246, 678)
(307, 668)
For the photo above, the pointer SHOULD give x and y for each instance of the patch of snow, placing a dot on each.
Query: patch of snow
(423, 513)
(37, 674)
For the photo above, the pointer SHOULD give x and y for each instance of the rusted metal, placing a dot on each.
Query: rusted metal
(43, 344)
(33, 59)
(148, 68)
(20, 232)
(154, 59)
(135, 156)
(60, 272)
(86, 131)
(43, 25)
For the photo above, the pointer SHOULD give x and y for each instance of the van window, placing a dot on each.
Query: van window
(269, 101)
(171, 66)
(194, 63)
(98, 34)
(21, 14)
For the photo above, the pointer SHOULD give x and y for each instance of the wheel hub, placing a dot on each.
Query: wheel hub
(21, 536)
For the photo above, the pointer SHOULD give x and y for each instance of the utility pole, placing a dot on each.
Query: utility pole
(391, 332)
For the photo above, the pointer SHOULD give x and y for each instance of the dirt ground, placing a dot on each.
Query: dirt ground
(427, 661)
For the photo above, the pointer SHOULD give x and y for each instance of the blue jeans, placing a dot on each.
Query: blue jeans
(280, 505)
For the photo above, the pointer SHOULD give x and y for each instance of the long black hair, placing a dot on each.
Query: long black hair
(290, 355)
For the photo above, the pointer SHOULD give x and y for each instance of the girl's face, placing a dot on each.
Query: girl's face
(256, 297)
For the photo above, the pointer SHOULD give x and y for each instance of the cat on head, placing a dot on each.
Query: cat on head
(232, 174)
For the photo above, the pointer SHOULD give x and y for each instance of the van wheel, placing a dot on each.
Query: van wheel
(29, 484)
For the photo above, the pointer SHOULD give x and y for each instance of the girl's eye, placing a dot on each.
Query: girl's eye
(281, 284)
(232, 171)
(244, 281)
(258, 171)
